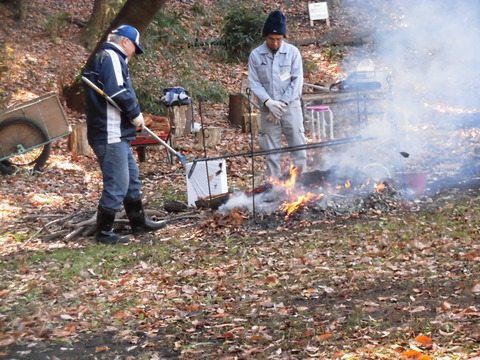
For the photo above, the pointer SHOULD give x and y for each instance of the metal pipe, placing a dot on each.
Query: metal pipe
(249, 93)
(317, 87)
(320, 144)
(200, 100)
(181, 157)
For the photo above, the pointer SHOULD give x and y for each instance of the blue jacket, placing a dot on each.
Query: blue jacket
(109, 71)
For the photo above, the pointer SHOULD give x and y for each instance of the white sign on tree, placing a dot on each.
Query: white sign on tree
(318, 11)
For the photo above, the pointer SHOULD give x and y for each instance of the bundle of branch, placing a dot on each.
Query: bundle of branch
(83, 223)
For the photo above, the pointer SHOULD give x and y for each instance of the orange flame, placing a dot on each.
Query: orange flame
(290, 183)
(290, 207)
(296, 201)
(345, 186)
(379, 187)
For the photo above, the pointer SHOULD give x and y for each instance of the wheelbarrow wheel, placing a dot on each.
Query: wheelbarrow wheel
(25, 143)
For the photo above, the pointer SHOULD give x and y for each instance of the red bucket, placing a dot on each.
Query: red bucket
(413, 183)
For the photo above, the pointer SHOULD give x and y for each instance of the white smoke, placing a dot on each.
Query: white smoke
(430, 50)
(429, 53)
(265, 202)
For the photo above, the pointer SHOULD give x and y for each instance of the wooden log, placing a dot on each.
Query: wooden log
(209, 136)
(238, 105)
(175, 206)
(180, 119)
(254, 127)
(77, 140)
(158, 124)
(244, 85)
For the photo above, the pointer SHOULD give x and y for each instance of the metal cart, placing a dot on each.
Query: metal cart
(27, 131)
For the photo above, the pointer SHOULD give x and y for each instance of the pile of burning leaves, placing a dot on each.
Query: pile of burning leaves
(308, 197)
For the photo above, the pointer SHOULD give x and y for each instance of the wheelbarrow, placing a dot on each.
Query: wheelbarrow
(27, 132)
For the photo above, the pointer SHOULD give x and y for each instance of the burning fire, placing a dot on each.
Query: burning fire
(379, 187)
(297, 200)
(290, 207)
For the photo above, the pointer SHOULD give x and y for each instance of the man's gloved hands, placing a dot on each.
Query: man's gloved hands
(273, 119)
(277, 108)
(138, 121)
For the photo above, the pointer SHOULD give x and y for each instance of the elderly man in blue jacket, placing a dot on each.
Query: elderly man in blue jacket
(110, 131)
(275, 74)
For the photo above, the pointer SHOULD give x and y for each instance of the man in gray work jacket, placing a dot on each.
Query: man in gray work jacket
(275, 74)
(110, 130)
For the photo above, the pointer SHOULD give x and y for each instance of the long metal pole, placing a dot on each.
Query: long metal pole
(249, 93)
(182, 158)
(200, 101)
(290, 148)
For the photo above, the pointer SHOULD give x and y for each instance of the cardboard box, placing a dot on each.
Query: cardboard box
(206, 174)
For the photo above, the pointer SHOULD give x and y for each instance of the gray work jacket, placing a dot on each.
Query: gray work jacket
(276, 76)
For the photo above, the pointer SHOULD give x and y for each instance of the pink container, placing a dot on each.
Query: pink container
(413, 182)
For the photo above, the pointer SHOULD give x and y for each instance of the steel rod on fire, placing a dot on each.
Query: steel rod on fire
(181, 157)
(320, 144)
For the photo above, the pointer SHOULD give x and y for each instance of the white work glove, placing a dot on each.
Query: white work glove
(277, 108)
(138, 121)
(273, 119)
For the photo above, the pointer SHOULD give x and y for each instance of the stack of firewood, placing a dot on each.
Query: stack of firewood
(159, 124)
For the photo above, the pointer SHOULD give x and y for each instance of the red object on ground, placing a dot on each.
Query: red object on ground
(159, 125)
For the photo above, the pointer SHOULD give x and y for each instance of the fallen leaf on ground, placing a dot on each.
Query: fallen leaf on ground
(425, 357)
(411, 353)
(323, 337)
(476, 289)
(100, 349)
(424, 340)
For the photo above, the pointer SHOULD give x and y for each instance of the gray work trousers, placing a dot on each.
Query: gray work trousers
(291, 126)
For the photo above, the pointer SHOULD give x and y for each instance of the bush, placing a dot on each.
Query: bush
(309, 66)
(149, 91)
(242, 30)
(56, 24)
(167, 29)
(168, 37)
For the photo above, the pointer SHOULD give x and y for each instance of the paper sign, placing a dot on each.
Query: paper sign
(318, 11)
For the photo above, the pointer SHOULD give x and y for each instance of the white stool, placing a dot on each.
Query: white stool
(318, 123)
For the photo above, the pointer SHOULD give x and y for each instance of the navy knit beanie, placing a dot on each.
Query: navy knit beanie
(275, 24)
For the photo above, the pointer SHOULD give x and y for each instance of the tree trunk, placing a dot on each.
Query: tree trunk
(77, 140)
(20, 10)
(89, 33)
(137, 13)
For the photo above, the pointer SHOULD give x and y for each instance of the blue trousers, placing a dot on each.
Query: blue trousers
(120, 174)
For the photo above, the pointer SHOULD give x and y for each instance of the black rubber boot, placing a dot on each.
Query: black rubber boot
(136, 215)
(104, 233)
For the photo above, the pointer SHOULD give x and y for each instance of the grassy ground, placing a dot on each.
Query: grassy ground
(361, 288)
